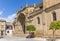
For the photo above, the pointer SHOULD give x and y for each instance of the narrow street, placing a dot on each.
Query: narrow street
(19, 39)
(23, 39)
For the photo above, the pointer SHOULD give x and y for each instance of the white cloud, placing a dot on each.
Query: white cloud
(1, 12)
(11, 18)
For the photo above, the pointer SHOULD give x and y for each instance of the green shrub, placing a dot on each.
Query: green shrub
(31, 28)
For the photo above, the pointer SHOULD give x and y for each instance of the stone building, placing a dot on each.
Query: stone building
(2, 27)
(39, 15)
(6, 28)
(9, 29)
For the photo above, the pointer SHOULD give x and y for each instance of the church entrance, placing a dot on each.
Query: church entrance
(21, 19)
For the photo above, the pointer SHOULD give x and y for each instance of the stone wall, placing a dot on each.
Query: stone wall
(49, 3)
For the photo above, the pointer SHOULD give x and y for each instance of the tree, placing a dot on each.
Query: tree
(55, 25)
(31, 28)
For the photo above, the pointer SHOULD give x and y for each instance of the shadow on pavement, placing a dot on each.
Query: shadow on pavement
(31, 35)
(1, 37)
(51, 39)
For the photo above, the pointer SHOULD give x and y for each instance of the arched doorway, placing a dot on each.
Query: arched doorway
(21, 19)
(9, 30)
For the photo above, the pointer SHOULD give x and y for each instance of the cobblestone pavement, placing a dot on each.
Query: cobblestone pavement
(23, 39)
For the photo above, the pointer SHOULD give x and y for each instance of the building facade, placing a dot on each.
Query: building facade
(6, 28)
(39, 15)
(9, 29)
(2, 27)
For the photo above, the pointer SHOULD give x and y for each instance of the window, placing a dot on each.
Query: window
(38, 20)
(2, 26)
(54, 16)
(7, 31)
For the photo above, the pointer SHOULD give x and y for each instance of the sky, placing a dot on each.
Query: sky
(8, 8)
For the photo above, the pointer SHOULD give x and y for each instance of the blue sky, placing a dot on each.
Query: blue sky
(8, 8)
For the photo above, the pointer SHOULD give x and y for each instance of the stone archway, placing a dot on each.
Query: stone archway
(21, 19)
